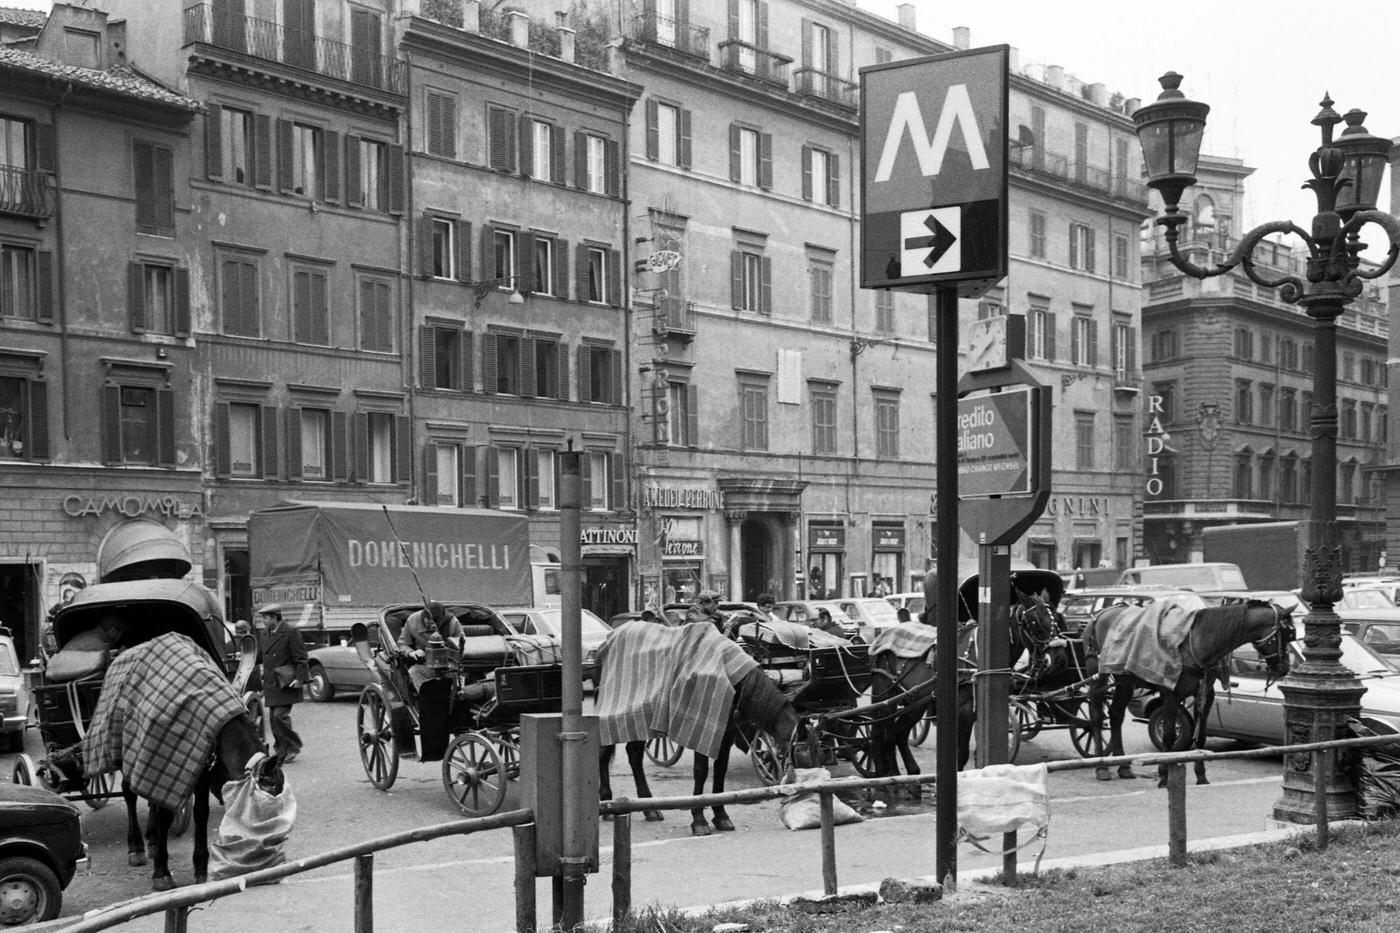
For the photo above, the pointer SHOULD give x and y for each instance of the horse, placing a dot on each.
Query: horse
(632, 682)
(1211, 634)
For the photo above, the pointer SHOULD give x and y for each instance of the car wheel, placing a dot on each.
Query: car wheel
(319, 687)
(29, 892)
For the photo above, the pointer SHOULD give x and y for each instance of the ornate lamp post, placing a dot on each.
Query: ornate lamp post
(1320, 693)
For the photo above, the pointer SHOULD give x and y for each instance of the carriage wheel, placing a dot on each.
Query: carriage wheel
(1086, 734)
(181, 823)
(1157, 729)
(24, 771)
(919, 734)
(767, 759)
(509, 746)
(860, 749)
(473, 774)
(378, 753)
(97, 791)
(663, 751)
(1029, 722)
(1013, 732)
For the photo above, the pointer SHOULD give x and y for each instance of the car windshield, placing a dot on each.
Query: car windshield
(879, 609)
(8, 663)
(1366, 599)
(552, 620)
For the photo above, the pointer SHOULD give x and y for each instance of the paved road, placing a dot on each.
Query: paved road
(466, 883)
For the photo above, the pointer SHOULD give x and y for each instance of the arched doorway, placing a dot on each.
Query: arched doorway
(756, 548)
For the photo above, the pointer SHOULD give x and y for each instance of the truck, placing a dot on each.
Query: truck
(332, 564)
(1270, 554)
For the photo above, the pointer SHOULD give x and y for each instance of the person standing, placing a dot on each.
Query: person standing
(284, 671)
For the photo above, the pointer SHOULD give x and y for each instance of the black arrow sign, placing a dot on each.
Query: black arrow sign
(938, 242)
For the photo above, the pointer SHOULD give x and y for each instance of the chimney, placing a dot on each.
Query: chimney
(1055, 76)
(962, 37)
(907, 18)
(1013, 60)
(471, 16)
(519, 29)
(1098, 93)
(1131, 105)
(566, 44)
(116, 42)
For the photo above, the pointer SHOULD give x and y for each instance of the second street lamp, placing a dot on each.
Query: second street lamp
(1320, 694)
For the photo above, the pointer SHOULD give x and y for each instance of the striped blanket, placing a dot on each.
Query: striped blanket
(904, 641)
(678, 682)
(1146, 641)
(162, 705)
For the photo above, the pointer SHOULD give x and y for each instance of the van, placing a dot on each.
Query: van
(1201, 577)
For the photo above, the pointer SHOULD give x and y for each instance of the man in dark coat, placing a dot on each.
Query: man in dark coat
(416, 635)
(284, 671)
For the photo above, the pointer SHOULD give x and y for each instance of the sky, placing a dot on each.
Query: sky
(1259, 65)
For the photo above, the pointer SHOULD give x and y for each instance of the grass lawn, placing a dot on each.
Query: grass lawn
(1352, 886)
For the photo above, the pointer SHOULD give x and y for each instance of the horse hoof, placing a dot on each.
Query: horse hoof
(699, 829)
(165, 883)
(201, 879)
(136, 859)
(653, 816)
(1202, 780)
(723, 824)
(1103, 774)
(1126, 771)
(1162, 782)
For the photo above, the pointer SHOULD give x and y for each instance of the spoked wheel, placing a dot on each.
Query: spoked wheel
(663, 751)
(1013, 732)
(375, 727)
(509, 747)
(861, 758)
(919, 734)
(1086, 733)
(1157, 729)
(183, 812)
(24, 771)
(98, 791)
(767, 759)
(473, 774)
(1028, 719)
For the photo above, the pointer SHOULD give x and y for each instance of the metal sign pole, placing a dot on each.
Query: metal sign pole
(571, 735)
(946, 609)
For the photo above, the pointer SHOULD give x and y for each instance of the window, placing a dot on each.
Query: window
(503, 257)
(238, 295)
(887, 425)
(820, 276)
(1124, 350)
(823, 397)
(1349, 367)
(544, 266)
(600, 374)
(1266, 347)
(1037, 235)
(1366, 427)
(543, 467)
(1165, 393)
(744, 155)
(542, 150)
(600, 480)
(366, 47)
(547, 352)
(1244, 475)
(1040, 333)
(1084, 440)
(1266, 405)
(155, 188)
(370, 187)
(244, 432)
(668, 121)
(821, 176)
(1244, 343)
(1244, 401)
(376, 316)
(444, 248)
(1124, 443)
(753, 408)
(236, 145)
(1288, 353)
(445, 360)
(139, 424)
(1288, 480)
(884, 311)
(440, 123)
(1084, 341)
(446, 473)
(1346, 482)
(1163, 345)
(1348, 427)
(310, 312)
(595, 161)
(751, 282)
(989, 308)
(819, 57)
(500, 139)
(1266, 477)
(506, 478)
(744, 19)
(158, 299)
(310, 431)
(502, 362)
(306, 174)
(595, 288)
(380, 446)
(1309, 352)
(1081, 162)
(1120, 257)
(24, 421)
(1081, 247)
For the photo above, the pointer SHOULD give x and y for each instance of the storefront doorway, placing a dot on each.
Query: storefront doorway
(605, 586)
(19, 607)
(756, 544)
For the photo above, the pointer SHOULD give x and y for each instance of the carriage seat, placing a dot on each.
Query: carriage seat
(84, 655)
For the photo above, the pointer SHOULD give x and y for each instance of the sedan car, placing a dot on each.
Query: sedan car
(912, 601)
(41, 849)
(14, 696)
(805, 611)
(593, 630)
(1079, 607)
(870, 613)
(1378, 629)
(1368, 597)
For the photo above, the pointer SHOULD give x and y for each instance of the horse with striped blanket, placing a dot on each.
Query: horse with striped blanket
(692, 685)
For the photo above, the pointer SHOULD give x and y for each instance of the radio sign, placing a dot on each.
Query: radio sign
(993, 443)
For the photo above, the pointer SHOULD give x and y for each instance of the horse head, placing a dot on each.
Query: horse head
(1037, 629)
(759, 701)
(1271, 630)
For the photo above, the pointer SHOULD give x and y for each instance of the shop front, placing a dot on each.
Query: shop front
(827, 556)
(608, 553)
(680, 543)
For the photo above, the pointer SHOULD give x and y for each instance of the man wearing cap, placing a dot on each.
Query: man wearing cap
(432, 619)
(284, 671)
(706, 609)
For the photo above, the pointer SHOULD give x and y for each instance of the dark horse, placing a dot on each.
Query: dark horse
(759, 704)
(1212, 635)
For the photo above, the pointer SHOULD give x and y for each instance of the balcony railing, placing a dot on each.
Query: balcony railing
(675, 316)
(267, 40)
(1036, 159)
(828, 87)
(745, 58)
(25, 192)
(670, 33)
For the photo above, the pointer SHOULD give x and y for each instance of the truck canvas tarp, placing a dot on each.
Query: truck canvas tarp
(333, 564)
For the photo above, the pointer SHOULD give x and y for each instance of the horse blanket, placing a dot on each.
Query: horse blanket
(904, 641)
(1146, 641)
(673, 682)
(162, 705)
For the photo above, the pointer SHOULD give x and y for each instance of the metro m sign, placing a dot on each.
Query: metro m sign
(933, 179)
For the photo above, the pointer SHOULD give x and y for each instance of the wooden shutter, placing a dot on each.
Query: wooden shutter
(432, 122)
(525, 262)
(585, 479)
(765, 160)
(526, 132)
(285, 182)
(488, 363)
(806, 155)
(1050, 337)
(464, 250)
(684, 147)
(262, 151)
(833, 179)
(735, 166)
(294, 443)
(223, 453)
(561, 269)
(762, 25)
(618, 498)
(469, 496)
(581, 273)
(165, 427)
(136, 297)
(585, 374)
(45, 156)
(733, 19)
(1074, 340)
(527, 367)
(330, 158)
(38, 419)
(143, 156)
(47, 300)
(532, 478)
(214, 142)
(340, 466)
(268, 417)
(468, 365)
(1093, 343)
(182, 302)
(653, 130)
(692, 415)
(430, 480)
(1131, 355)
(359, 447)
(1112, 346)
(736, 280)
(493, 478)
(403, 449)
(766, 285)
(425, 245)
(807, 46)
(488, 252)
(427, 354)
(352, 171)
(396, 181)
(615, 357)
(612, 160)
(614, 296)
(557, 169)
(501, 127)
(564, 371)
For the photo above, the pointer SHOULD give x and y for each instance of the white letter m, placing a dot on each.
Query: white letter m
(957, 107)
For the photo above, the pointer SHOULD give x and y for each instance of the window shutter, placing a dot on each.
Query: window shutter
(1089, 249)
(330, 155)
(532, 478)
(464, 250)
(564, 371)
(136, 297)
(214, 142)
(692, 414)
(430, 480)
(262, 151)
(807, 46)
(493, 478)
(526, 131)
(427, 353)
(447, 126)
(44, 313)
(469, 476)
(832, 65)
(501, 125)
(733, 19)
(766, 285)
(488, 252)
(359, 447)
(425, 245)
(581, 273)
(585, 480)
(38, 419)
(223, 454)
(580, 161)
(44, 155)
(557, 163)
(352, 171)
(1050, 337)
(396, 193)
(182, 302)
(1074, 354)
(285, 182)
(618, 500)
(268, 416)
(294, 443)
(612, 158)
(1093, 343)
(765, 160)
(340, 467)
(561, 269)
(527, 367)
(685, 139)
(585, 374)
(736, 280)
(403, 449)
(833, 179)
(653, 131)
(1112, 347)
(734, 159)
(144, 163)
(432, 122)
(806, 158)
(616, 387)
(525, 263)
(165, 427)
(163, 166)
(488, 363)
(762, 30)
(1132, 350)
(614, 296)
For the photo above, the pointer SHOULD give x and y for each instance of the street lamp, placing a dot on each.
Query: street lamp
(1320, 694)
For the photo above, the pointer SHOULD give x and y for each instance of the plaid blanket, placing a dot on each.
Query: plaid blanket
(1146, 641)
(162, 705)
(677, 682)
(904, 641)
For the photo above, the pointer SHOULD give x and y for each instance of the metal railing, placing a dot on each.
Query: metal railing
(675, 316)
(748, 59)
(25, 192)
(670, 33)
(270, 41)
(814, 83)
(1055, 164)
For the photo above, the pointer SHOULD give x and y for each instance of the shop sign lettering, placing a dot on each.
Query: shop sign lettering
(1077, 505)
(623, 536)
(132, 506)
(675, 548)
(1156, 445)
(681, 497)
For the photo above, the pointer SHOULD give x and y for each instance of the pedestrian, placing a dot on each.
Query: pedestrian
(766, 602)
(284, 671)
(706, 609)
(416, 636)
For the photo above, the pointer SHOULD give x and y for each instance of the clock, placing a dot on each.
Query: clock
(989, 347)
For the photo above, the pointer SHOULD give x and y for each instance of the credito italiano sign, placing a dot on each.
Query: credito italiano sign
(993, 444)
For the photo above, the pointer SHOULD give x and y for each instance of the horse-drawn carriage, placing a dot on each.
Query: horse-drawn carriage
(467, 716)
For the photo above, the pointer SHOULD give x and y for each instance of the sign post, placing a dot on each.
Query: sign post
(933, 195)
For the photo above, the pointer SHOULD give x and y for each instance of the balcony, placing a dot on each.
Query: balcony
(1057, 165)
(827, 87)
(675, 317)
(25, 193)
(747, 59)
(269, 41)
(669, 33)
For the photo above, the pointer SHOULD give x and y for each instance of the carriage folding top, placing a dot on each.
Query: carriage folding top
(149, 608)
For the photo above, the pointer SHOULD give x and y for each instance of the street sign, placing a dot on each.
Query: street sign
(934, 206)
(995, 433)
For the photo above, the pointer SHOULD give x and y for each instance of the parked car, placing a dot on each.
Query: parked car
(871, 613)
(1201, 577)
(1284, 599)
(41, 849)
(914, 602)
(593, 630)
(1079, 607)
(1378, 629)
(1369, 596)
(15, 697)
(805, 611)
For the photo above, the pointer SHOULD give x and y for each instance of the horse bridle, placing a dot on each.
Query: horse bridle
(1278, 639)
